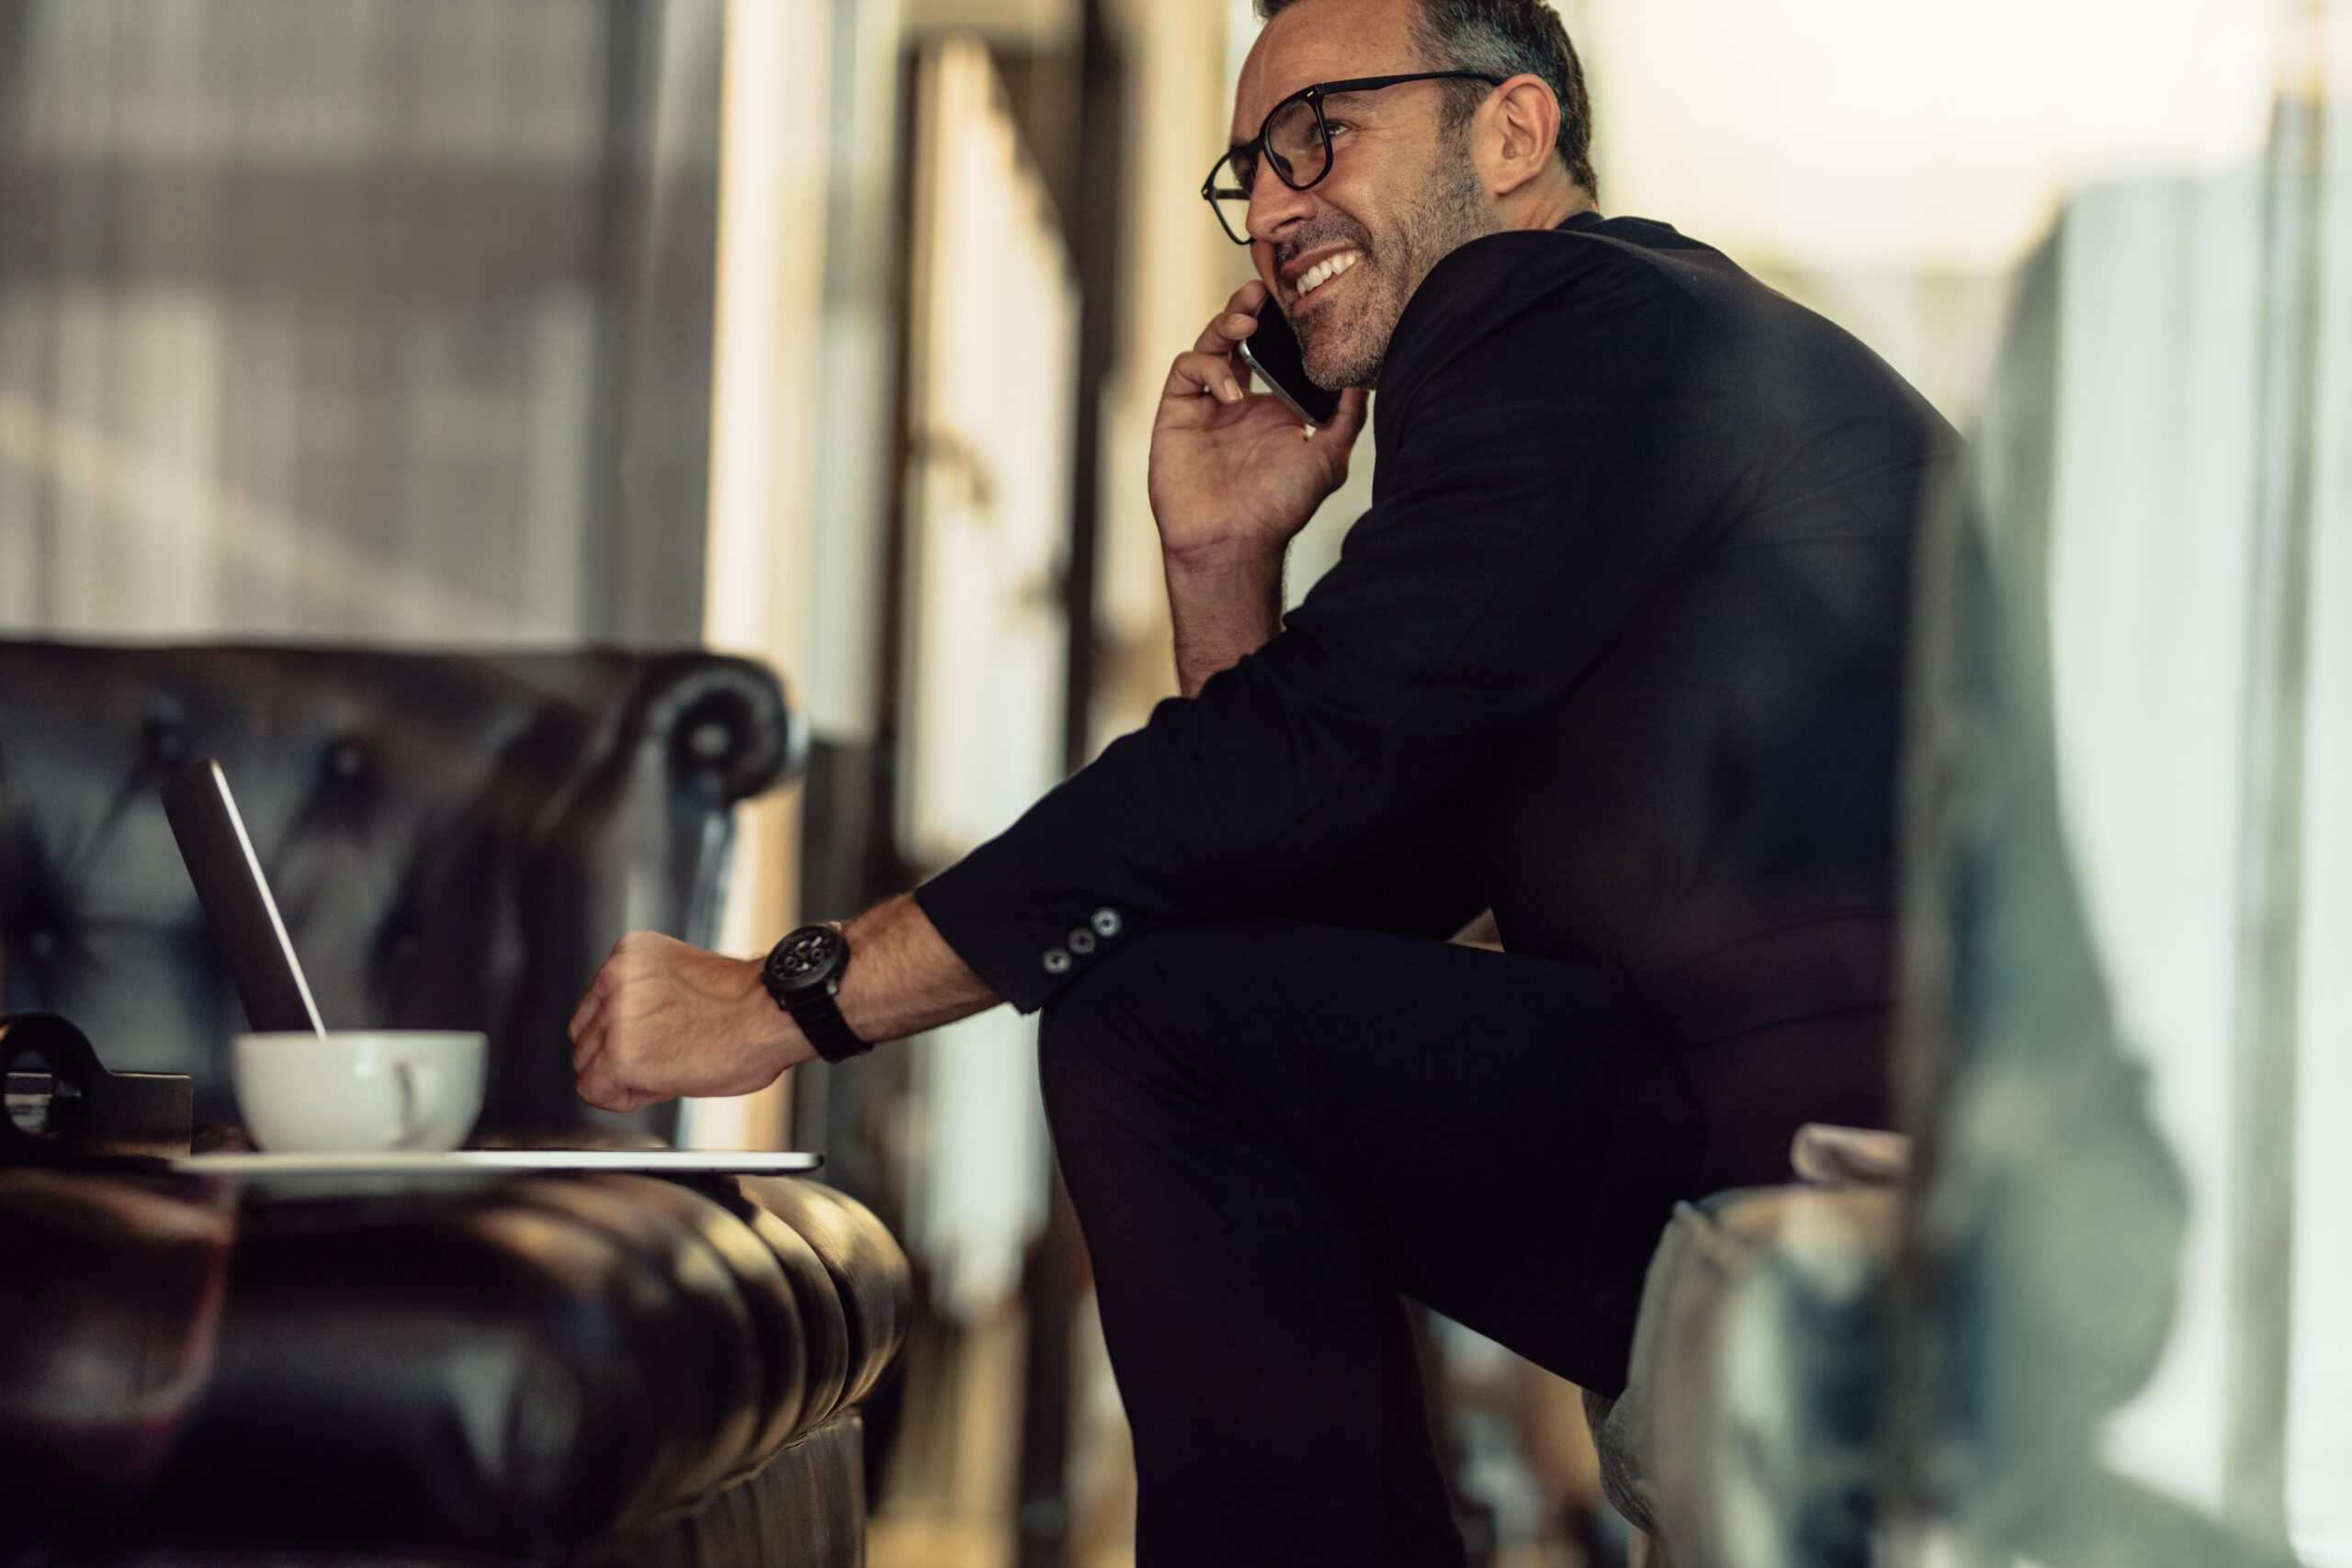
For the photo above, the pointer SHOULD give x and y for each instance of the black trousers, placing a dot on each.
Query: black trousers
(1272, 1131)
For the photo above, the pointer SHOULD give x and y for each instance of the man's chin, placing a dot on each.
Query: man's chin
(1336, 356)
(1340, 370)
(1338, 346)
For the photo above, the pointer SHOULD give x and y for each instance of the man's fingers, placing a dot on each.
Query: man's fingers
(602, 1019)
(1347, 422)
(593, 1074)
(1195, 373)
(626, 957)
(587, 1039)
(1236, 321)
(601, 1084)
(1213, 367)
(640, 1034)
(1223, 335)
(604, 1090)
(590, 1001)
(607, 1098)
(1220, 336)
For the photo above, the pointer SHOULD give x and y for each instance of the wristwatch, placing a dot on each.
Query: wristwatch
(802, 973)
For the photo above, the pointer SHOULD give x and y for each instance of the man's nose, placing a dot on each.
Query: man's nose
(1272, 204)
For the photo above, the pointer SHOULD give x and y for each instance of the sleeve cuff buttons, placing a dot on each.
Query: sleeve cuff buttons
(1101, 927)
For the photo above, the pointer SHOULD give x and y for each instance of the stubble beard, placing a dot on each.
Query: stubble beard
(1344, 346)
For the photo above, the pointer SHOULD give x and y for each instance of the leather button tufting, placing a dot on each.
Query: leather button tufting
(1056, 961)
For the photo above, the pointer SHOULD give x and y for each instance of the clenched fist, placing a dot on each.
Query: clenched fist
(662, 1020)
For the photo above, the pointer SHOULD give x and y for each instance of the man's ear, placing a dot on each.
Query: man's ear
(1519, 126)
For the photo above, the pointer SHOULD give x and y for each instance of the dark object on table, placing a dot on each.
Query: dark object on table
(61, 1103)
(455, 840)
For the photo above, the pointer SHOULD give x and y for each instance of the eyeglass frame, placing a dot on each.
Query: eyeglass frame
(1312, 95)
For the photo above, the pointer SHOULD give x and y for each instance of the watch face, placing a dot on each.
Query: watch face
(807, 957)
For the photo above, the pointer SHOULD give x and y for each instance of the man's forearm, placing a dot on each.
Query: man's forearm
(1224, 603)
(903, 978)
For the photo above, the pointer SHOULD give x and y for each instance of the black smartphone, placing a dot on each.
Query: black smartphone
(1273, 351)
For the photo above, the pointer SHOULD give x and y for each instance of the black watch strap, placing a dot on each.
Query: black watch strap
(803, 973)
(820, 1018)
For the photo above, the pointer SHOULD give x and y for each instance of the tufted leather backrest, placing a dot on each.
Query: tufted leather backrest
(455, 839)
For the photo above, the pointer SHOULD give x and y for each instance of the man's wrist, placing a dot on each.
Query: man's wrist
(804, 973)
(1245, 555)
(1226, 578)
(769, 1030)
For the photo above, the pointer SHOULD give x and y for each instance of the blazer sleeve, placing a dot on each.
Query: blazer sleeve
(1537, 442)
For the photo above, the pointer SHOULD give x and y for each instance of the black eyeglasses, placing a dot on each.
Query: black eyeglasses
(1297, 143)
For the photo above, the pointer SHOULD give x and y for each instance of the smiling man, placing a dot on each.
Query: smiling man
(1616, 655)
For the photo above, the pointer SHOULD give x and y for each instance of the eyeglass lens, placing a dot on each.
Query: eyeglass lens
(1296, 146)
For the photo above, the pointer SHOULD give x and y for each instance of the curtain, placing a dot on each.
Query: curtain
(355, 320)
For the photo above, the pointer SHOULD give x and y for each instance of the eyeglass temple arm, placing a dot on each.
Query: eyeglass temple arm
(1313, 95)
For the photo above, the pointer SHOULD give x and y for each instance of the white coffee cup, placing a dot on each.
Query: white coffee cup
(358, 1090)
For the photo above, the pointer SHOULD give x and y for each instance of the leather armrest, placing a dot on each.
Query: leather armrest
(527, 1365)
(110, 1291)
(868, 1267)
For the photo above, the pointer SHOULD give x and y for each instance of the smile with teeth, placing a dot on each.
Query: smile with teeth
(1322, 272)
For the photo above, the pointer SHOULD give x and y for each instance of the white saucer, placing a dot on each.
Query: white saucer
(647, 1162)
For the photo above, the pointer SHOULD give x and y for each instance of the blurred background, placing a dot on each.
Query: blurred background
(829, 330)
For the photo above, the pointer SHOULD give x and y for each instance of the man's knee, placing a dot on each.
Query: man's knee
(1135, 1007)
(1112, 1003)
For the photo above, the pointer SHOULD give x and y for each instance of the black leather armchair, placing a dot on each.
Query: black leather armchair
(603, 1372)
(455, 839)
(606, 1371)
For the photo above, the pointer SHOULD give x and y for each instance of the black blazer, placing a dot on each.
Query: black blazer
(1618, 651)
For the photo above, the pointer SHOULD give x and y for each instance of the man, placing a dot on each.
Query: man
(1616, 654)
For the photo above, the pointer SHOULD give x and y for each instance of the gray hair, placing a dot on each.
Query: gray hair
(1502, 39)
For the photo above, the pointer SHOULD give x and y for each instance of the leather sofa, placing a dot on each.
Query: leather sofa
(455, 839)
(605, 1371)
(611, 1371)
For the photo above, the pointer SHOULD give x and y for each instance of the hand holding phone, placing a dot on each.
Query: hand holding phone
(1273, 353)
(1231, 470)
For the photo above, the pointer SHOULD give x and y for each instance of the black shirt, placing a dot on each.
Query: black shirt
(1617, 651)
